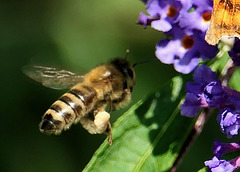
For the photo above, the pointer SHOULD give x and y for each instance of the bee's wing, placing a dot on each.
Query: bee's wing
(51, 77)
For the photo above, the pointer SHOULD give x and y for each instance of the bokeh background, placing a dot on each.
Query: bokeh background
(75, 35)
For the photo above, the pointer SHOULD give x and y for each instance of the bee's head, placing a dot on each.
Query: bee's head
(126, 69)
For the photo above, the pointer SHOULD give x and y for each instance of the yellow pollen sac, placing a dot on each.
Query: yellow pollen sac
(172, 11)
(187, 42)
(206, 16)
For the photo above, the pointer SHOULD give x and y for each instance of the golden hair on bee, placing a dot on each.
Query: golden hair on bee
(107, 86)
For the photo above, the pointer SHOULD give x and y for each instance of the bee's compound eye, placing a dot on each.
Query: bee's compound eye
(130, 72)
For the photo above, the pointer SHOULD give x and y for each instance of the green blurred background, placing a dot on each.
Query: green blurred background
(75, 35)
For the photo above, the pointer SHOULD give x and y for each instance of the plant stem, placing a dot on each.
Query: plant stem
(195, 132)
(227, 72)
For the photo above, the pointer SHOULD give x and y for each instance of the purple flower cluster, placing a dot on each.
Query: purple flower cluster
(218, 165)
(186, 21)
(208, 92)
(205, 92)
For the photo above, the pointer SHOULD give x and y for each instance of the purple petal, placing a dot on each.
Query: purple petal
(146, 20)
(188, 21)
(143, 20)
(153, 7)
(204, 75)
(161, 25)
(217, 165)
(186, 6)
(219, 149)
(229, 122)
(167, 51)
(191, 105)
(167, 10)
(202, 14)
(187, 63)
(195, 88)
(202, 3)
(214, 94)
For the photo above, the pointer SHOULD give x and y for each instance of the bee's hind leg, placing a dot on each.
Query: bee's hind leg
(109, 133)
(103, 125)
(98, 124)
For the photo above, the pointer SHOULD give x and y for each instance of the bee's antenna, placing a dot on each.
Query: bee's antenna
(126, 55)
(145, 61)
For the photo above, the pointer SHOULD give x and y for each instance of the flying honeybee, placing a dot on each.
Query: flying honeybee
(108, 86)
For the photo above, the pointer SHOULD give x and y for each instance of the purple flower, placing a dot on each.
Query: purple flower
(186, 28)
(201, 14)
(229, 121)
(234, 53)
(184, 51)
(217, 165)
(205, 92)
(162, 14)
(233, 99)
(220, 149)
(146, 20)
(229, 118)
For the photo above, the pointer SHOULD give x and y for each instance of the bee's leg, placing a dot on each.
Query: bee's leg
(123, 100)
(101, 121)
(109, 133)
(110, 107)
(102, 124)
(97, 123)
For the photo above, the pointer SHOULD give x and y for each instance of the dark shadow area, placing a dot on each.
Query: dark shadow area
(163, 110)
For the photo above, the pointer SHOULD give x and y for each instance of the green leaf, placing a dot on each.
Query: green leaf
(148, 137)
(234, 82)
(219, 63)
(204, 169)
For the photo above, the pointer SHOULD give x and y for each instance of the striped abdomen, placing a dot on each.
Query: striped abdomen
(73, 105)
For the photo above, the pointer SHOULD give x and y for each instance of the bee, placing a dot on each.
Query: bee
(107, 86)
